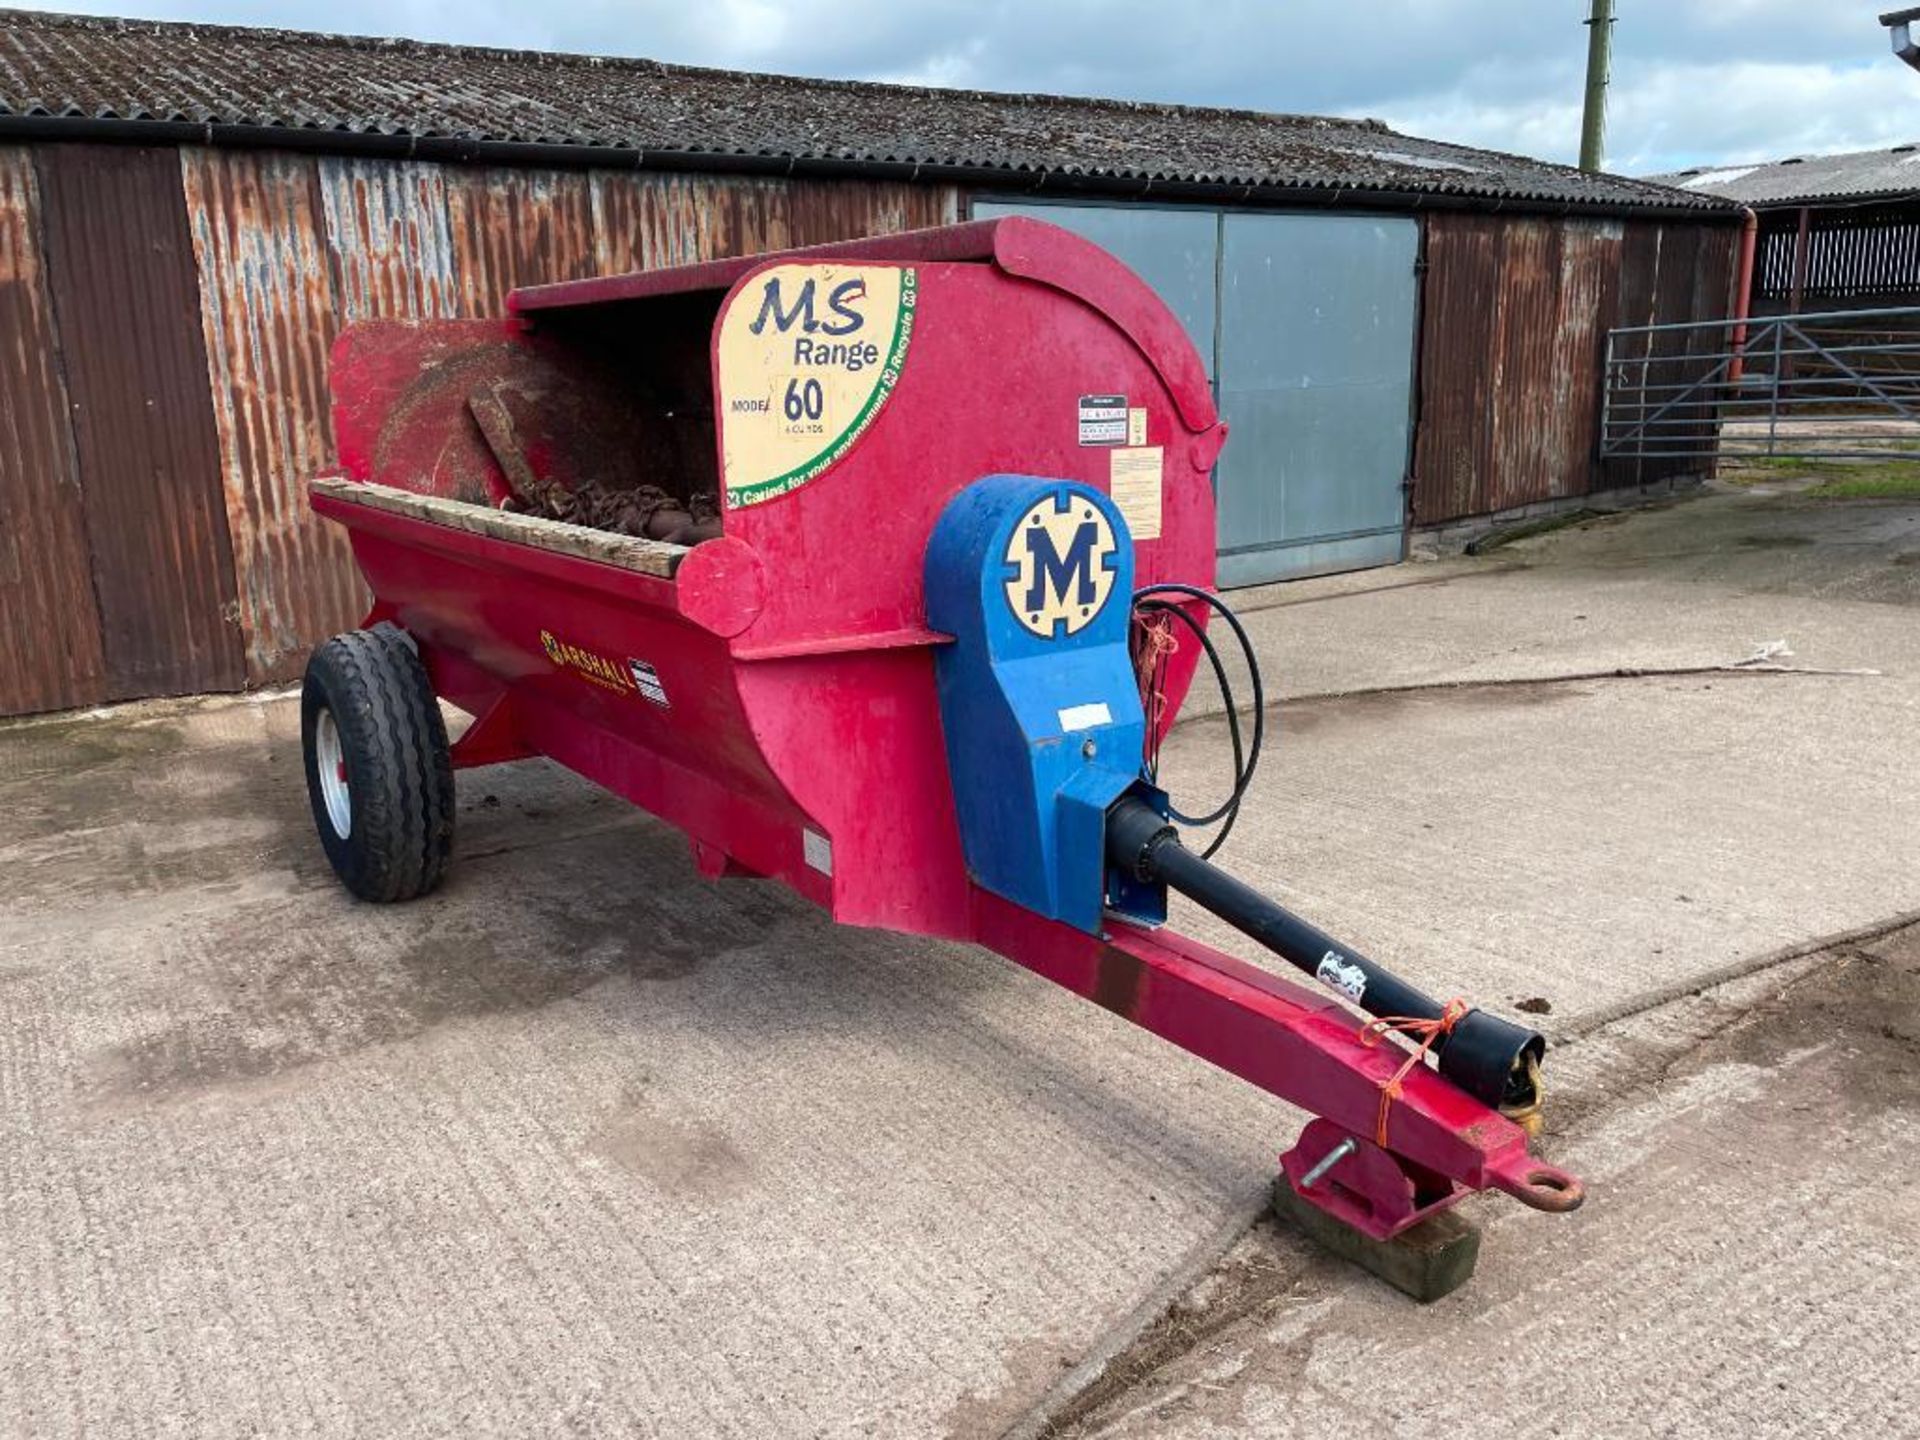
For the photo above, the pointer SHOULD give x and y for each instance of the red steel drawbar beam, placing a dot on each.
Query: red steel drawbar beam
(1296, 1045)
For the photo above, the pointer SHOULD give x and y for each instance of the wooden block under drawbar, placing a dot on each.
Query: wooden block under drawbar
(1427, 1261)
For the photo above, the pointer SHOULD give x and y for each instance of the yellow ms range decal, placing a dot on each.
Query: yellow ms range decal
(808, 355)
(1058, 575)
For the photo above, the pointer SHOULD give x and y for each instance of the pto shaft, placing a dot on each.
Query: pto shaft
(1489, 1058)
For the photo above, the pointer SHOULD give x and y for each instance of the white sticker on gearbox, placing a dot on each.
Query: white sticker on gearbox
(1085, 717)
(818, 851)
(1337, 972)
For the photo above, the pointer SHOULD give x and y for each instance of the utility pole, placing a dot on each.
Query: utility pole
(1593, 121)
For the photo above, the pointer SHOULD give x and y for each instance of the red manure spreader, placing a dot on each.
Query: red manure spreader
(881, 569)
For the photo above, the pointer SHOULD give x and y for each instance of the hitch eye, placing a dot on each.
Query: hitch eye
(1543, 1187)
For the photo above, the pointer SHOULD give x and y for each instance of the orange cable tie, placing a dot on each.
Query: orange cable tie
(1429, 1031)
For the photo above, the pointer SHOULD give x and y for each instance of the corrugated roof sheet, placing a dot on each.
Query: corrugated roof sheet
(1808, 179)
(70, 66)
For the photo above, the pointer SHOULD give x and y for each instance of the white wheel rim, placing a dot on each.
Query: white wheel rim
(330, 764)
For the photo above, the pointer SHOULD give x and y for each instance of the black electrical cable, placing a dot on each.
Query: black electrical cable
(1226, 692)
(1229, 809)
(1244, 764)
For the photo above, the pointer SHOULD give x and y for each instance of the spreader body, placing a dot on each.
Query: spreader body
(771, 692)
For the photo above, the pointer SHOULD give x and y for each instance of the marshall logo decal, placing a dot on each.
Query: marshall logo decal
(1060, 563)
(588, 665)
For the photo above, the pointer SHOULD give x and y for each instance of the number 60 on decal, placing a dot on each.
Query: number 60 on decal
(806, 401)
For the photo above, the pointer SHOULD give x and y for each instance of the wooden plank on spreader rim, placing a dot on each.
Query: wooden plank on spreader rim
(649, 557)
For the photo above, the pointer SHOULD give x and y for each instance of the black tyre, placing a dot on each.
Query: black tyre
(379, 775)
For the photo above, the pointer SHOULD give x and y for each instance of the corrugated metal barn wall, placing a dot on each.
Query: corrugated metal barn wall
(291, 247)
(50, 650)
(1513, 332)
(115, 566)
(154, 534)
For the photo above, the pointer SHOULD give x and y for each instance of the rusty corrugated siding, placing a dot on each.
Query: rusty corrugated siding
(267, 310)
(388, 239)
(1513, 337)
(50, 655)
(644, 222)
(819, 211)
(291, 247)
(1509, 361)
(517, 227)
(1590, 256)
(1522, 464)
(1671, 273)
(120, 268)
(1458, 338)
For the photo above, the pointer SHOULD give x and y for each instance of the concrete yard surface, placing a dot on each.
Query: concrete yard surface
(583, 1144)
(1745, 1265)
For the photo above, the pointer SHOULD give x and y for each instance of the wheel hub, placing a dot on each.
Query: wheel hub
(330, 762)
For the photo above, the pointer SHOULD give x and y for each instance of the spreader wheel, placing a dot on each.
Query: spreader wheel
(379, 774)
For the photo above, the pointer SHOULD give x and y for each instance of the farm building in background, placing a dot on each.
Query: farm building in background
(1837, 232)
(1401, 333)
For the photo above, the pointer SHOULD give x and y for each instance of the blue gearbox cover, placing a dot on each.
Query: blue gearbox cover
(1038, 700)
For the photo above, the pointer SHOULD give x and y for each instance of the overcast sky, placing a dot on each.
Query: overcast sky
(1694, 81)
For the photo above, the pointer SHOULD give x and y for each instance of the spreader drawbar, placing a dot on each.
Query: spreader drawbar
(1493, 1060)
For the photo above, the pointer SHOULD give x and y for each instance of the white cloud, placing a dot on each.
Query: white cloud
(1671, 116)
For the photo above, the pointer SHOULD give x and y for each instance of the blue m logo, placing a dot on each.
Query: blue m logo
(1060, 565)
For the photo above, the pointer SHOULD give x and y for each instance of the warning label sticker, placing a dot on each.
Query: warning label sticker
(647, 681)
(1134, 477)
(1103, 419)
(808, 356)
(1337, 972)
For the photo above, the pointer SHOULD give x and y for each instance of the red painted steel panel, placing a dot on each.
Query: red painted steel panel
(814, 669)
(50, 655)
(791, 727)
(121, 271)
(267, 310)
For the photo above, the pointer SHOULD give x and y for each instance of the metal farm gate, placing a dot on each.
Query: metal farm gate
(1837, 385)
